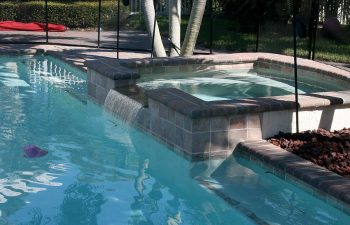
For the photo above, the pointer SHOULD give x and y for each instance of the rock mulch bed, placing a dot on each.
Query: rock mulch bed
(324, 148)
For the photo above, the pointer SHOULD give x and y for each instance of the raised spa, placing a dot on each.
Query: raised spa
(203, 106)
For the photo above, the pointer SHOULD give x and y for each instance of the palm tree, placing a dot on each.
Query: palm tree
(152, 27)
(193, 27)
(175, 26)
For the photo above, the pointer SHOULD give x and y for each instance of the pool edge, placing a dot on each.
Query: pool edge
(320, 182)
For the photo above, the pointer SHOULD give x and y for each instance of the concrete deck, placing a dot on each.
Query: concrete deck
(131, 39)
(74, 55)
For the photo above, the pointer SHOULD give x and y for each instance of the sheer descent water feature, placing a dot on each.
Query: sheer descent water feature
(127, 109)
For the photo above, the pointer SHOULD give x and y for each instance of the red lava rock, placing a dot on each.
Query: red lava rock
(328, 149)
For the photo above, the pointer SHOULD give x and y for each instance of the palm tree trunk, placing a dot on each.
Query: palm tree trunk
(193, 27)
(175, 26)
(149, 14)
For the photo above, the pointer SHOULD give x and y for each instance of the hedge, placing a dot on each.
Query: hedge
(72, 15)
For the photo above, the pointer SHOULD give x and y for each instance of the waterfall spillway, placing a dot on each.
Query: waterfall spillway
(122, 106)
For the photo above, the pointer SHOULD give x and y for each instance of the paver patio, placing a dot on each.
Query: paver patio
(131, 39)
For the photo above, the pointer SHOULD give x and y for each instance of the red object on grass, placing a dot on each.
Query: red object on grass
(18, 26)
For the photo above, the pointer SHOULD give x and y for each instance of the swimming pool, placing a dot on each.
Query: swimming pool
(225, 84)
(98, 171)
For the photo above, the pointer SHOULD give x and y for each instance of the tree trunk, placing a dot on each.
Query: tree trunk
(149, 14)
(193, 27)
(175, 26)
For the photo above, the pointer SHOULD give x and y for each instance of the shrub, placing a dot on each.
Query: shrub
(8, 11)
(72, 15)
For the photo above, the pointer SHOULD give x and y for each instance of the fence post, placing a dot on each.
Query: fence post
(211, 26)
(99, 23)
(317, 14)
(258, 11)
(295, 67)
(47, 22)
(118, 27)
(312, 26)
(154, 27)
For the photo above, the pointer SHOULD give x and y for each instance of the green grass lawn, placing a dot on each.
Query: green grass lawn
(274, 38)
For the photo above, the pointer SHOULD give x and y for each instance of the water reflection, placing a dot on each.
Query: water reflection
(141, 177)
(272, 200)
(37, 218)
(81, 205)
(168, 194)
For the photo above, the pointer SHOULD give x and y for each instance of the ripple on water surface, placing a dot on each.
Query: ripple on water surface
(98, 172)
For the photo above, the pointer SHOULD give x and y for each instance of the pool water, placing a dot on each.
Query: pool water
(99, 171)
(233, 84)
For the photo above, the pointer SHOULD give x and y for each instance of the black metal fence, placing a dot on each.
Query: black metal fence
(322, 26)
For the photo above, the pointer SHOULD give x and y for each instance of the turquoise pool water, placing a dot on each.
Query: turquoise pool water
(98, 171)
(234, 84)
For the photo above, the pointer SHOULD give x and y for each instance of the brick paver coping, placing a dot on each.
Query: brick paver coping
(196, 108)
(105, 66)
(322, 183)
